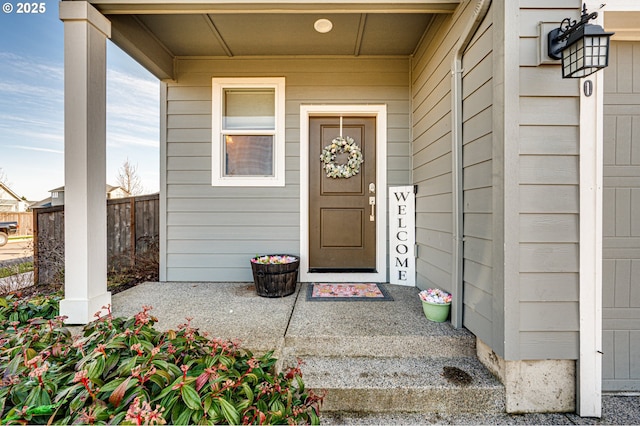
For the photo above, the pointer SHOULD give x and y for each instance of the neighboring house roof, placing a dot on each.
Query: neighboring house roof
(41, 204)
(47, 202)
(10, 201)
(109, 188)
(10, 192)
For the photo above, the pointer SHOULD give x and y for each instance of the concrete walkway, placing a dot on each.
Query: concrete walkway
(616, 410)
(234, 311)
(17, 250)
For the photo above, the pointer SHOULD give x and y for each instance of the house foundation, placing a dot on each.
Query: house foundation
(533, 386)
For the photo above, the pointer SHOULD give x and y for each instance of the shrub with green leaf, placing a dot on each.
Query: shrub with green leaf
(21, 310)
(121, 370)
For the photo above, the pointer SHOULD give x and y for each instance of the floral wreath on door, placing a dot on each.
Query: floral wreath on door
(341, 145)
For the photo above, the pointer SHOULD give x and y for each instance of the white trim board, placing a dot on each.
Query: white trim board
(591, 160)
(380, 112)
(591, 163)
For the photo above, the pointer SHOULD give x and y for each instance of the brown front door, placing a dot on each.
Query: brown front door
(342, 222)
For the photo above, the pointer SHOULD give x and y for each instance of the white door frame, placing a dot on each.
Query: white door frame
(380, 113)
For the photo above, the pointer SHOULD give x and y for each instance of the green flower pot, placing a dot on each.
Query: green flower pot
(436, 312)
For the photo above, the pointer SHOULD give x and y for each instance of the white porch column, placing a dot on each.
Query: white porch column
(85, 72)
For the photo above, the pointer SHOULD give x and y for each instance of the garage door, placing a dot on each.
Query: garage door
(621, 220)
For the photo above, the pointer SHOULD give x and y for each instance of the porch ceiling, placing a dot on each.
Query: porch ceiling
(286, 34)
(155, 33)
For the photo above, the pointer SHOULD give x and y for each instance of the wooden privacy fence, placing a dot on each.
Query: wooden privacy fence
(24, 219)
(132, 229)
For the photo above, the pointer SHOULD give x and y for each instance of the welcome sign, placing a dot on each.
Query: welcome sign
(402, 237)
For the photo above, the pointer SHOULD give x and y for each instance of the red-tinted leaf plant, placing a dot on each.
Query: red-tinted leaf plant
(123, 371)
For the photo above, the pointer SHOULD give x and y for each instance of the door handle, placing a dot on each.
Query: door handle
(372, 203)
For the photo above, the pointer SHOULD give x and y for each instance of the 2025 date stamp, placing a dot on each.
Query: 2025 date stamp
(20, 8)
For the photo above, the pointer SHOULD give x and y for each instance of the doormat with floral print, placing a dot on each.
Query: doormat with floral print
(330, 292)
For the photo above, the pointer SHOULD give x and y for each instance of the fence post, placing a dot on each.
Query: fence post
(36, 277)
(133, 231)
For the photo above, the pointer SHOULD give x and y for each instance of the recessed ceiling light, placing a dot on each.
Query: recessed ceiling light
(323, 25)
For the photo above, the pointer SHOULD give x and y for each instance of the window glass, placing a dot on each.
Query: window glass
(248, 155)
(249, 109)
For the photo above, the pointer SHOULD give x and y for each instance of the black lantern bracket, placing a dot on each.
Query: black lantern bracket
(583, 48)
(558, 38)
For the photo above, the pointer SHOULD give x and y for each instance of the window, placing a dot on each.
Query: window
(248, 132)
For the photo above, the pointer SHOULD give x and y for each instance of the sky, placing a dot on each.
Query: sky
(32, 106)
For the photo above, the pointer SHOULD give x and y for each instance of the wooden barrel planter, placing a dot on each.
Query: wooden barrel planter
(275, 279)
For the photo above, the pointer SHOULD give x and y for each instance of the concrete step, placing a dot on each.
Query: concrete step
(388, 358)
(445, 385)
(395, 328)
(460, 344)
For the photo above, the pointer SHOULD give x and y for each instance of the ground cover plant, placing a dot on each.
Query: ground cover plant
(123, 371)
(16, 311)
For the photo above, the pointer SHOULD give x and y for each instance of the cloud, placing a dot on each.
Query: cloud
(34, 129)
(15, 122)
(18, 88)
(44, 136)
(35, 148)
(132, 111)
(31, 66)
(31, 99)
(126, 84)
(119, 140)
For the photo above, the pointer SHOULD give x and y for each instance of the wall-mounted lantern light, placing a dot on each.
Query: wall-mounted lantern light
(583, 47)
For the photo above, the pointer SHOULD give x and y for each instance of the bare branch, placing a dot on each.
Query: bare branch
(129, 179)
(3, 177)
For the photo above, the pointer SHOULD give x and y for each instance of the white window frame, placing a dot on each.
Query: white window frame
(217, 168)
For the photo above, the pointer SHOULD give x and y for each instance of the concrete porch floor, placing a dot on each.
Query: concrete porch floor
(336, 329)
(235, 311)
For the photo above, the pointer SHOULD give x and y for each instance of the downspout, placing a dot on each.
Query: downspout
(457, 277)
